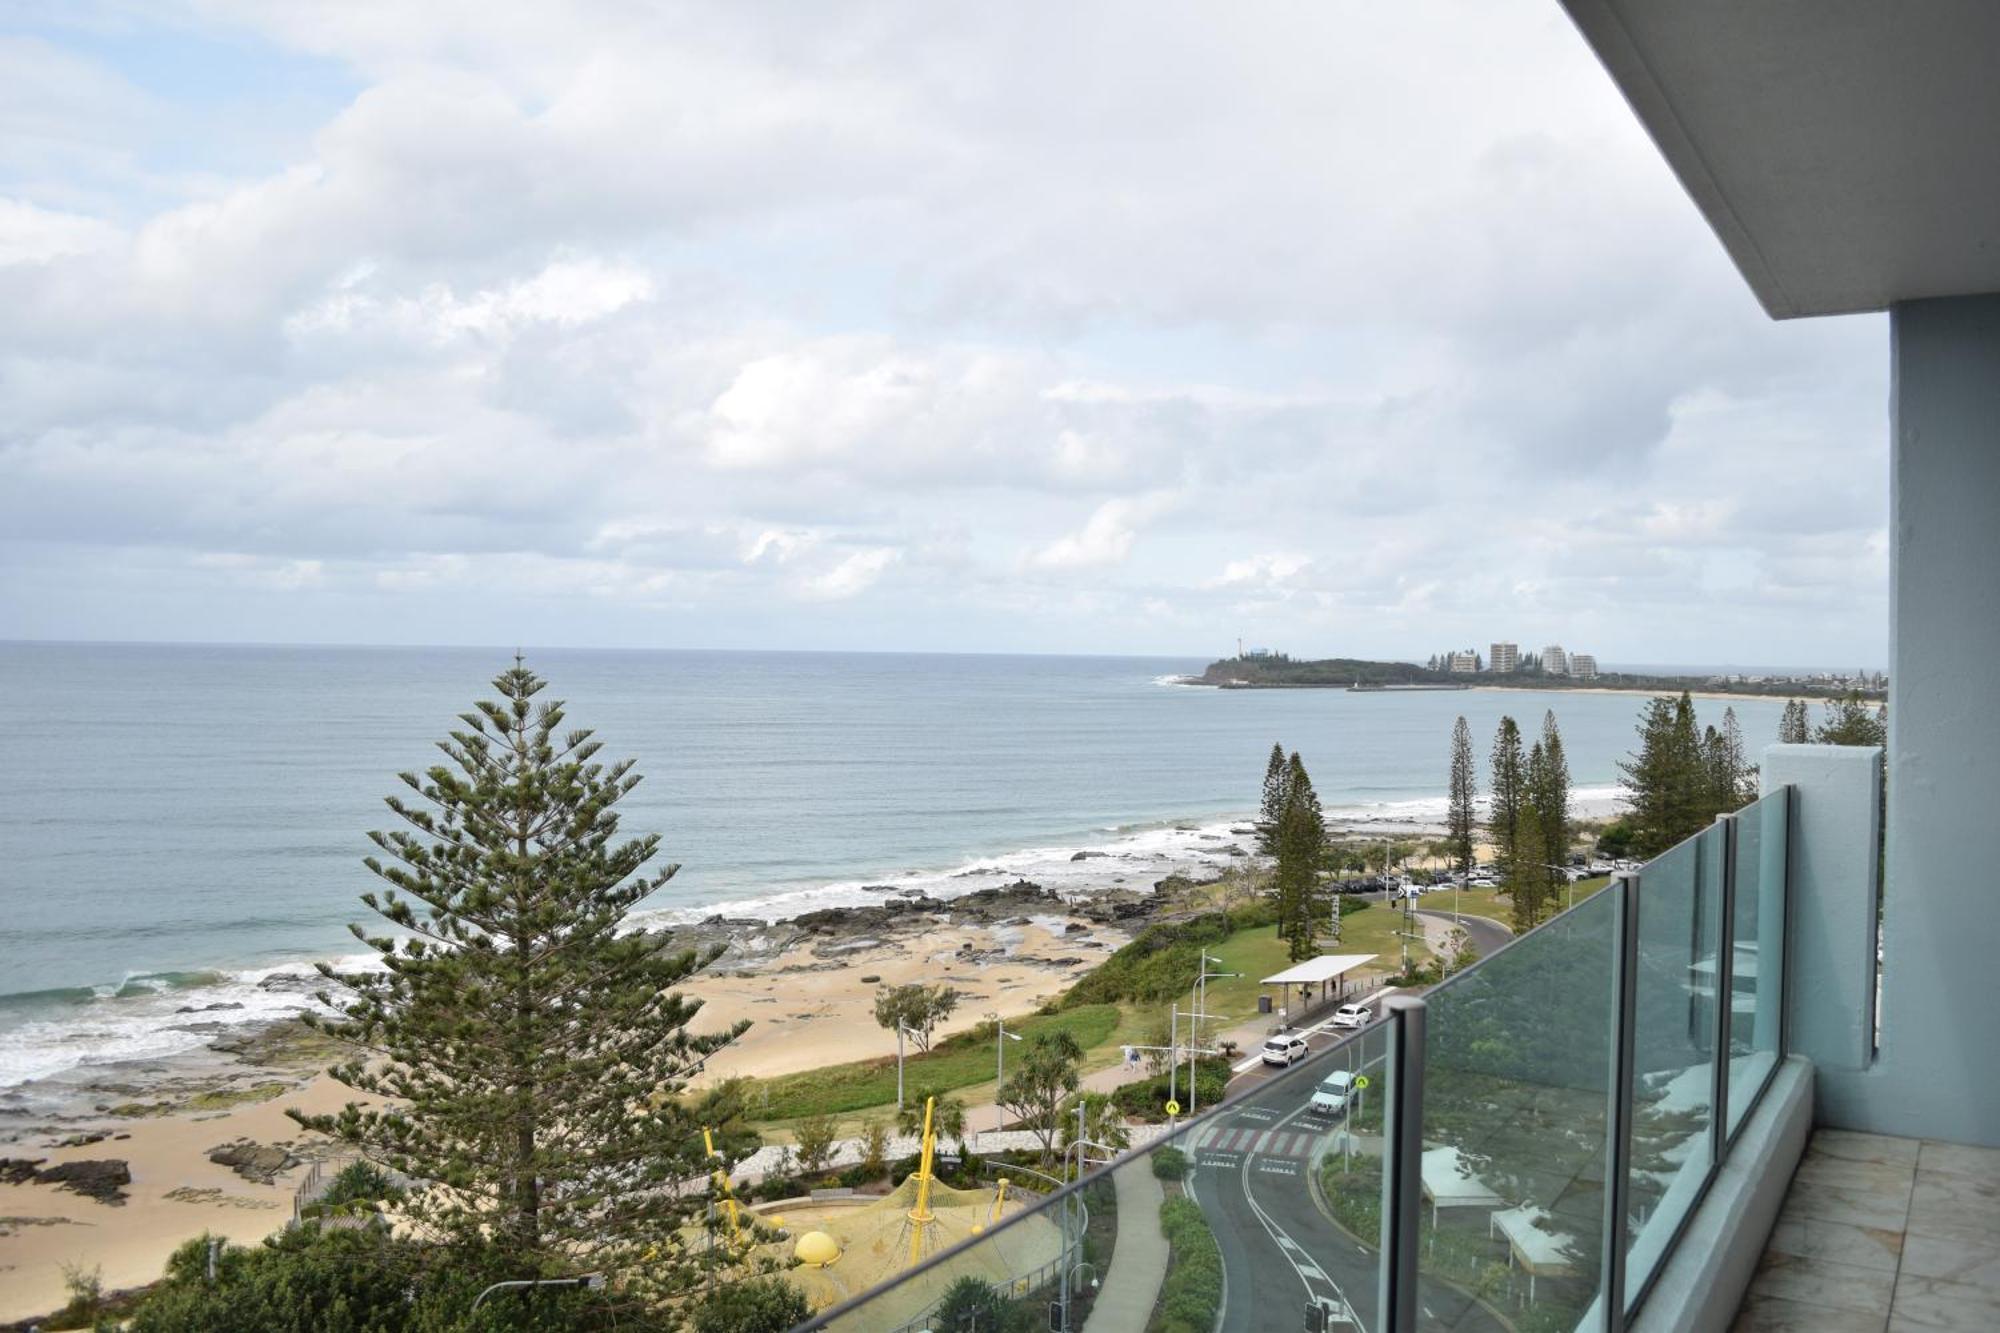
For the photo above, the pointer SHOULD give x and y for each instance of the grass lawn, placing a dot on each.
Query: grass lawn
(1492, 903)
(956, 1063)
(1258, 953)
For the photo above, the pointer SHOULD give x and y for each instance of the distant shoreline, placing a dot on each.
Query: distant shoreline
(1361, 677)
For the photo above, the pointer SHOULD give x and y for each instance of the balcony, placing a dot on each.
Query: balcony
(1593, 1128)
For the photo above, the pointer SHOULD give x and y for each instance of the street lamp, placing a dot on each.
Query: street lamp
(1200, 1012)
(589, 1281)
(899, 1067)
(1570, 879)
(1001, 1036)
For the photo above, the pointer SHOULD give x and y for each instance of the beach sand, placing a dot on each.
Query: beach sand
(807, 1010)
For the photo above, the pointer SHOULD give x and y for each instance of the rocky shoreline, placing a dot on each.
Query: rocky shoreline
(259, 1061)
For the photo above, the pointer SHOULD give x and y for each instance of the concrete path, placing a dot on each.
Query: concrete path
(1138, 1259)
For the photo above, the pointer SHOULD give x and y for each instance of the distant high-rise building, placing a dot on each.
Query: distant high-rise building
(1583, 666)
(1504, 657)
(1465, 663)
(1555, 662)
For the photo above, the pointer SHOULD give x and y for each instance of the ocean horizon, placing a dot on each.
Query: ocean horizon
(182, 822)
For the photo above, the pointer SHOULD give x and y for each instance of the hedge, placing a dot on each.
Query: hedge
(1193, 1290)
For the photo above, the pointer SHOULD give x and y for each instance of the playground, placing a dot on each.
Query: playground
(838, 1248)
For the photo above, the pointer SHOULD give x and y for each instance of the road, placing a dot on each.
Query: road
(1488, 935)
(1280, 1250)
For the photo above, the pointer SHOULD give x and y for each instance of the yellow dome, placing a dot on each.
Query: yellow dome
(816, 1248)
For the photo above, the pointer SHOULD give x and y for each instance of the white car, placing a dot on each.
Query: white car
(1330, 1097)
(1353, 1016)
(1284, 1051)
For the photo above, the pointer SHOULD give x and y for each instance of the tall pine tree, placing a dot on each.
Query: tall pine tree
(1460, 813)
(1672, 781)
(1527, 870)
(1301, 848)
(1793, 728)
(530, 1047)
(1277, 790)
(1503, 820)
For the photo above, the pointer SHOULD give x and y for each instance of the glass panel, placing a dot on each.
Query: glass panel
(1673, 1057)
(1757, 989)
(1251, 1212)
(1516, 1085)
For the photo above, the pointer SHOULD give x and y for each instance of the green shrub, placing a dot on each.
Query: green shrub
(971, 1303)
(759, 1305)
(1146, 1100)
(1170, 1164)
(365, 1280)
(1193, 1290)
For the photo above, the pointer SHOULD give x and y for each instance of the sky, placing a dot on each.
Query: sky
(1341, 329)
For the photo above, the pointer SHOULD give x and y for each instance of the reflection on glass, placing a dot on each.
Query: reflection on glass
(1674, 1028)
(1254, 1213)
(1517, 1073)
(1758, 982)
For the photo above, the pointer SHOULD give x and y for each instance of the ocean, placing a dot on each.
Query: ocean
(180, 823)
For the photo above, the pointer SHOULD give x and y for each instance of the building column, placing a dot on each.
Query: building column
(1941, 895)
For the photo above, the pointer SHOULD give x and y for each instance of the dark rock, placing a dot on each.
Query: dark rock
(253, 1161)
(19, 1170)
(1088, 856)
(1076, 928)
(208, 1008)
(878, 888)
(86, 1139)
(871, 980)
(103, 1179)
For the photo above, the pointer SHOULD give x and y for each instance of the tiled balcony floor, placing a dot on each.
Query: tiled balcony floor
(1880, 1233)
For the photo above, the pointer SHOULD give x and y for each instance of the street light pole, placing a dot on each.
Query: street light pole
(899, 1069)
(1001, 1036)
(1200, 1012)
(592, 1281)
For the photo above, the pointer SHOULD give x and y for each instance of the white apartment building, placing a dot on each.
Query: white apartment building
(1555, 662)
(1504, 657)
(1583, 666)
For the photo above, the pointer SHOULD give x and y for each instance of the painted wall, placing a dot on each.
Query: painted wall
(1940, 1046)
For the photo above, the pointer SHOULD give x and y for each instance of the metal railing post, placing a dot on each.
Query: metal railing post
(1725, 995)
(1618, 1147)
(1402, 1164)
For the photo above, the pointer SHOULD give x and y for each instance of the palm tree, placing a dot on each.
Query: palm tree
(947, 1117)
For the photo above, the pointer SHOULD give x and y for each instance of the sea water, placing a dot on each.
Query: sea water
(179, 825)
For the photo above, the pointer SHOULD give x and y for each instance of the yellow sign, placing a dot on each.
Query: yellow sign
(1361, 1082)
(1173, 1108)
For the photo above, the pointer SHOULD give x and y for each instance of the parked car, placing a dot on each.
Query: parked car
(1353, 1016)
(1330, 1097)
(1285, 1050)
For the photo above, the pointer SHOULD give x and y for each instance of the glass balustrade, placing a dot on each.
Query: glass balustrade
(1524, 1143)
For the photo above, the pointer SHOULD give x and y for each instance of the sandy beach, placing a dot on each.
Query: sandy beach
(802, 987)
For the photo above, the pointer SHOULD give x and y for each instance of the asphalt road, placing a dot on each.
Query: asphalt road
(1280, 1250)
(1488, 935)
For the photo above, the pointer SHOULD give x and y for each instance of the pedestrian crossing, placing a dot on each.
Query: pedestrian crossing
(1257, 1141)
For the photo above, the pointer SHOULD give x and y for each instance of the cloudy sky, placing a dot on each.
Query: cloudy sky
(1340, 327)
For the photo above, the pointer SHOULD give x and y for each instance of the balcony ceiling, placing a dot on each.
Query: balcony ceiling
(1847, 152)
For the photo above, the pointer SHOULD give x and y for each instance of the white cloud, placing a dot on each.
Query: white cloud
(851, 577)
(31, 235)
(1106, 537)
(1038, 324)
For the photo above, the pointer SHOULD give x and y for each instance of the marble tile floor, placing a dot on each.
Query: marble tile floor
(1880, 1234)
